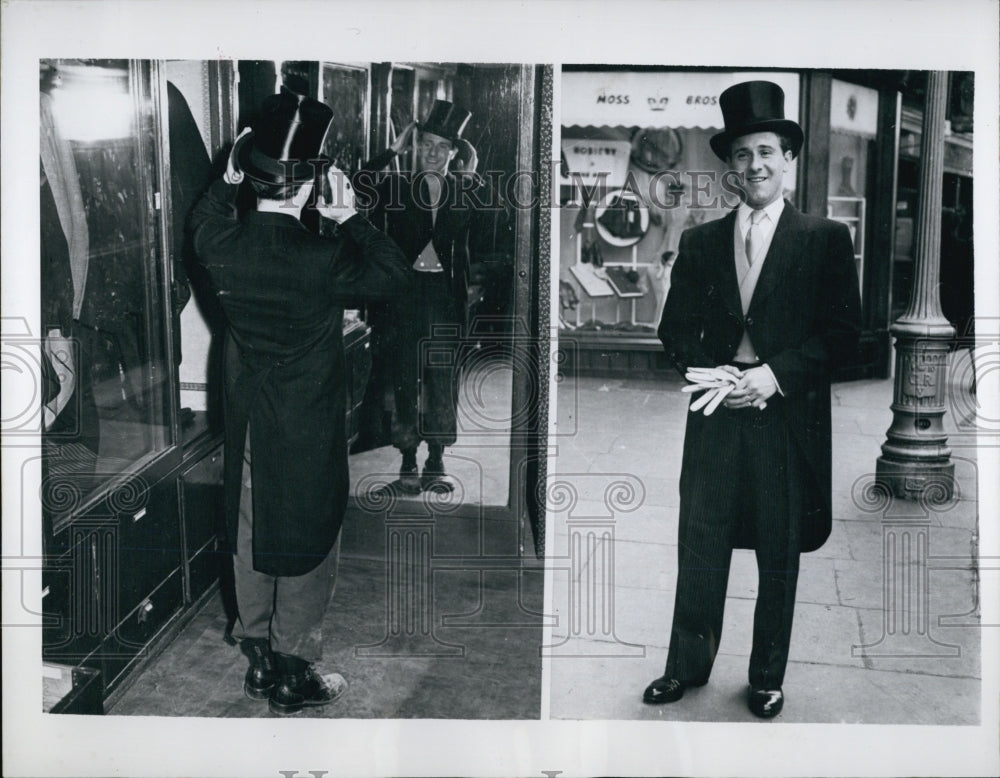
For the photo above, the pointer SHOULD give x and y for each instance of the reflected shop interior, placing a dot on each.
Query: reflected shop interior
(132, 336)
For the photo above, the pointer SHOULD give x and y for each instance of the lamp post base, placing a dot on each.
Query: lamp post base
(928, 481)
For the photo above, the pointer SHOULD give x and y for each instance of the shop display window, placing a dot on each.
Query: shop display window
(106, 399)
(853, 133)
(347, 88)
(636, 170)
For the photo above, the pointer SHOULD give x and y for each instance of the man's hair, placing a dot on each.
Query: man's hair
(784, 142)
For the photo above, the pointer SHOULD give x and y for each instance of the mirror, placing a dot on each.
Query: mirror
(373, 107)
(496, 414)
(106, 408)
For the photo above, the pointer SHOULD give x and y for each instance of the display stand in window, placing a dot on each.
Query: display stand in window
(851, 211)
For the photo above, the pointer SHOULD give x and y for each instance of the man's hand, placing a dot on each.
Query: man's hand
(403, 139)
(233, 174)
(466, 159)
(342, 195)
(715, 383)
(753, 390)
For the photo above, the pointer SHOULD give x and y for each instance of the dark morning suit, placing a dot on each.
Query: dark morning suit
(438, 308)
(750, 478)
(283, 289)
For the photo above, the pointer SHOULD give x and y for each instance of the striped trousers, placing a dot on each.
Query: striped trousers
(748, 488)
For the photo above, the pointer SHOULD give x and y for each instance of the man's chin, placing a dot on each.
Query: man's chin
(761, 200)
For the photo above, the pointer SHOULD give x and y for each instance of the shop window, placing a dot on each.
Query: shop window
(106, 397)
(347, 88)
(636, 170)
(853, 130)
(956, 292)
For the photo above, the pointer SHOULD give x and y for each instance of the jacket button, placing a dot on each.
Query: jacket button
(749, 321)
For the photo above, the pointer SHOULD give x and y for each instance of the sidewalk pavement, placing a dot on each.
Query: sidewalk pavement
(886, 617)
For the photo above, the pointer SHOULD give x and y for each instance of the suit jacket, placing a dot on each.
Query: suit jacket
(283, 289)
(804, 320)
(400, 207)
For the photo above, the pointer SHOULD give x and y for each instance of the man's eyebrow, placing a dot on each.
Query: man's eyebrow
(762, 145)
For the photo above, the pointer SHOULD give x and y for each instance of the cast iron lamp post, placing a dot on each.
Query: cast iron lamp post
(915, 456)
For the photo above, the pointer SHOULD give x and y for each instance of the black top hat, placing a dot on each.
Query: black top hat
(754, 106)
(445, 119)
(288, 133)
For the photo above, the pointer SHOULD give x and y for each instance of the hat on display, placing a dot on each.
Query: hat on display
(754, 106)
(445, 119)
(656, 148)
(287, 135)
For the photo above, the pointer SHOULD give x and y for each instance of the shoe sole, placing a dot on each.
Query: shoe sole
(662, 699)
(668, 700)
(443, 487)
(257, 694)
(288, 710)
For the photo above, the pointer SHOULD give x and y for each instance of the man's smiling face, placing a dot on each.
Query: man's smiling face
(759, 159)
(434, 153)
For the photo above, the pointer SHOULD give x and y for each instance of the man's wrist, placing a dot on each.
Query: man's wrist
(774, 378)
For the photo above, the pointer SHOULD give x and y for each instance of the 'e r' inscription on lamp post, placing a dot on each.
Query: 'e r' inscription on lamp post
(915, 455)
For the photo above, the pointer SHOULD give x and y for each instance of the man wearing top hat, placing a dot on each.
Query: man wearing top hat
(283, 289)
(428, 215)
(769, 296)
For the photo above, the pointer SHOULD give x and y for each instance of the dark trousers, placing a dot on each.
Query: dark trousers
(428, 372)
(753, 491)
(288, 610)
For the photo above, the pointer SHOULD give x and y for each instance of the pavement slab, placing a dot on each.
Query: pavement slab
(889, 564)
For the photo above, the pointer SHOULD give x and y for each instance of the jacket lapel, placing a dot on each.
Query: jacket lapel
(779, 255)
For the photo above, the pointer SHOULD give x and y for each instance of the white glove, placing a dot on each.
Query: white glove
(715, 382)
(233, 174)
(342, 195)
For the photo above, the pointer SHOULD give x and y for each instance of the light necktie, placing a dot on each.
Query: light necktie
(753, 235)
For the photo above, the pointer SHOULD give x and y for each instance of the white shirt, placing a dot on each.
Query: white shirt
(766, 225)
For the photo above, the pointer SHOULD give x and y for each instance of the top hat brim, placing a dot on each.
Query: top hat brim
(260, 167)
(439, 131)
(722, 142)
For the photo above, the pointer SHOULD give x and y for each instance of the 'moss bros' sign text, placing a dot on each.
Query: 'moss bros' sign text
(653, 102)
(622, 98)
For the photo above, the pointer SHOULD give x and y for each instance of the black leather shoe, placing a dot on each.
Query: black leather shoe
(262, 674)
(300, 686)
(765, 703)
(409, 479)
(435, 478)
(663, 689)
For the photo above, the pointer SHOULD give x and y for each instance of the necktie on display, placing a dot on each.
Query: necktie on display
(753, 235)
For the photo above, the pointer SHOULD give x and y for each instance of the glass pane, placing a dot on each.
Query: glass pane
(636, 171)
(105, 405)
(853, 127)
(469, 352)
(347, 89)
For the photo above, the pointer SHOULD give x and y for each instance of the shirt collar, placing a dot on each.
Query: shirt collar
(773, 211)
